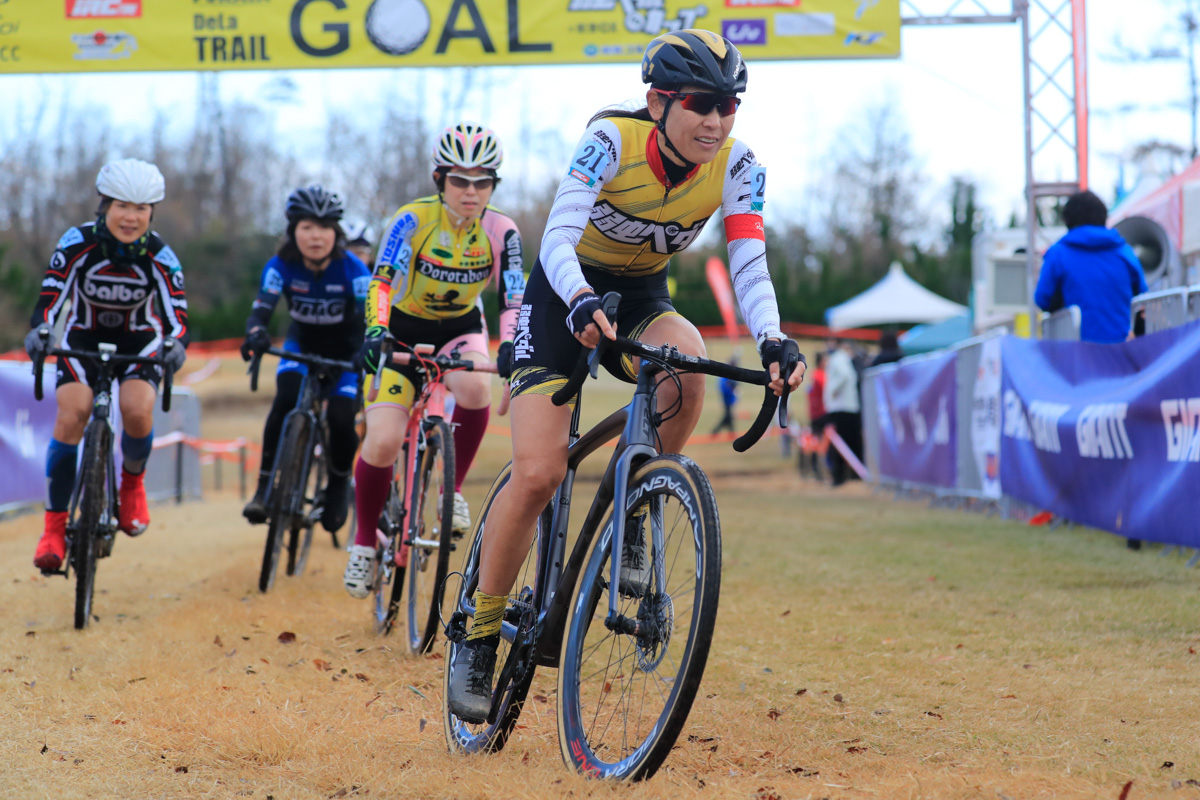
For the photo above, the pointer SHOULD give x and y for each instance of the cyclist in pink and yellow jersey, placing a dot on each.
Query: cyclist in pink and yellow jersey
(436, 256)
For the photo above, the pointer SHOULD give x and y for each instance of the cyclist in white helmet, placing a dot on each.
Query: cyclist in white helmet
(113, 280)
(436, 256)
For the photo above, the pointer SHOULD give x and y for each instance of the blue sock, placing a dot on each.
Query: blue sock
(60, 474)
(135, 451)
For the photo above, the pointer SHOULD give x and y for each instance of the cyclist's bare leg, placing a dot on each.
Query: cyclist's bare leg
(472, 400)
(386, 426)
(682, 334)
(539, 436)
(74, 407)
(471, 389)
(137, 407)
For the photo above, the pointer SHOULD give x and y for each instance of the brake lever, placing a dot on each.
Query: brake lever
(608, 304)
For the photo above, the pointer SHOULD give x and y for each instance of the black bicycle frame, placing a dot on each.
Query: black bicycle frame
(308, 405)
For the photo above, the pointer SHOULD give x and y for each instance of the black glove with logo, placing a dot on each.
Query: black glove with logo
(504, 360)
(776, 351)
(371, 352)
(582, 313)
(35, 345)
(257, 341)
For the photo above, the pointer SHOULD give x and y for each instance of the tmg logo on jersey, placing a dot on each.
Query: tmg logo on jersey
(662, 237)
(95, 9)
(318, 312)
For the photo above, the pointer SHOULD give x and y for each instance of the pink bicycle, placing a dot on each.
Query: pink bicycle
(414, 540)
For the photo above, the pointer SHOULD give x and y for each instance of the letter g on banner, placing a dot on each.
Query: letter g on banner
(341, 29)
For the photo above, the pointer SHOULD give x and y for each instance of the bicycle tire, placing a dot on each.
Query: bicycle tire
(620, 708)
(465, 737)
(389, 578)
(304, 521)
(90, 508)
(431, 503)
(284, 476)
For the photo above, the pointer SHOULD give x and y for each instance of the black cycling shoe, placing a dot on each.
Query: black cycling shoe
(470, 695)
(256, 509)
(337, 502)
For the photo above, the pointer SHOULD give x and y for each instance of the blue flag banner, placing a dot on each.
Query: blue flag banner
(25, 429)
(917, 430)
(1106, 434)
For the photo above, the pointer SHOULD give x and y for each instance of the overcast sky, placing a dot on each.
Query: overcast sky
(958, 90)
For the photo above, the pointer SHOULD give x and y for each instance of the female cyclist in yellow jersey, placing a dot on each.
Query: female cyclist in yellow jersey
(437, 255)
(640, 186)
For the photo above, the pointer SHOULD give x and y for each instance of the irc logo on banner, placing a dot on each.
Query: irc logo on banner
(1181, 418)
(1100, 431)
(97, 9)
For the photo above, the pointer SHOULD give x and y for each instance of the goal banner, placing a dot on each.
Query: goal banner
(48, 36)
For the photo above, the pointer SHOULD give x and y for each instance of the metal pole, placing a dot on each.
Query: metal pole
(179, 471)
(1021, 9)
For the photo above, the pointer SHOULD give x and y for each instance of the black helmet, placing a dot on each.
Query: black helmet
(694, 58)
(314, 202)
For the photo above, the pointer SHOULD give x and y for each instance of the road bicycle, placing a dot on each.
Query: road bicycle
(630, 661)
(296, 490)
(93, 515)
(414, 539)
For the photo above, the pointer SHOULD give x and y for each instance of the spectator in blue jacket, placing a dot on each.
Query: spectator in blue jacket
(1091, 267)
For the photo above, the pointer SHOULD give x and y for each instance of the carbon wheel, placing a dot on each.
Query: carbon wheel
(625, 688)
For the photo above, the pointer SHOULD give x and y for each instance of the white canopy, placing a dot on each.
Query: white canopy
(895, 299)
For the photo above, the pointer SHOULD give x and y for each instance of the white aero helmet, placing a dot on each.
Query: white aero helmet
(358, 232)
(131, 180)
(468, 145)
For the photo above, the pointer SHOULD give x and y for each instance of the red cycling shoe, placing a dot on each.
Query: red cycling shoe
(134, 513)
(52, 547)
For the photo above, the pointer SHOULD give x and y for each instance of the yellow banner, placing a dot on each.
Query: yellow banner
(154, 35)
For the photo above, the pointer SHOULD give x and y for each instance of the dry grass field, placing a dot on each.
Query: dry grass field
(865, 648)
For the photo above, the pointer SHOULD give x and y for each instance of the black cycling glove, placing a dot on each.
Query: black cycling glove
(504, 360)
(371, 352)
(776, 351)
(582, 313)
(257, 341)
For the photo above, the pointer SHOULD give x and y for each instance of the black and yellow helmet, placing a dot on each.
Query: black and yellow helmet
(694, 57)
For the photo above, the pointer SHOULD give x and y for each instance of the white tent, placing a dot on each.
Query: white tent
(895, 299)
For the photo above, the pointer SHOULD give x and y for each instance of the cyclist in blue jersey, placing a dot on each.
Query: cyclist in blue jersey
(325, 288)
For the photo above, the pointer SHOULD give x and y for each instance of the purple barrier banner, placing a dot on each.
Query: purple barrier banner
(25, 428)
(1107, 434)
(917, 441)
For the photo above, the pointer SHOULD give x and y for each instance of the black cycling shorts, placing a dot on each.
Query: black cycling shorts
(544, 350)
(401, 385)
(80, 370)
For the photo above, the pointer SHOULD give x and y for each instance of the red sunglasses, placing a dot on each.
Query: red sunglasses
(703, 103)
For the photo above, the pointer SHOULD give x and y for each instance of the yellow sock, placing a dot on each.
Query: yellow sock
(489, 614)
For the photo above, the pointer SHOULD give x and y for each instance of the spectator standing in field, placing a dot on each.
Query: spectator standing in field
(889, 350)
(1091, 267)
(842, 407)
(729, 399)
(815, 386)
